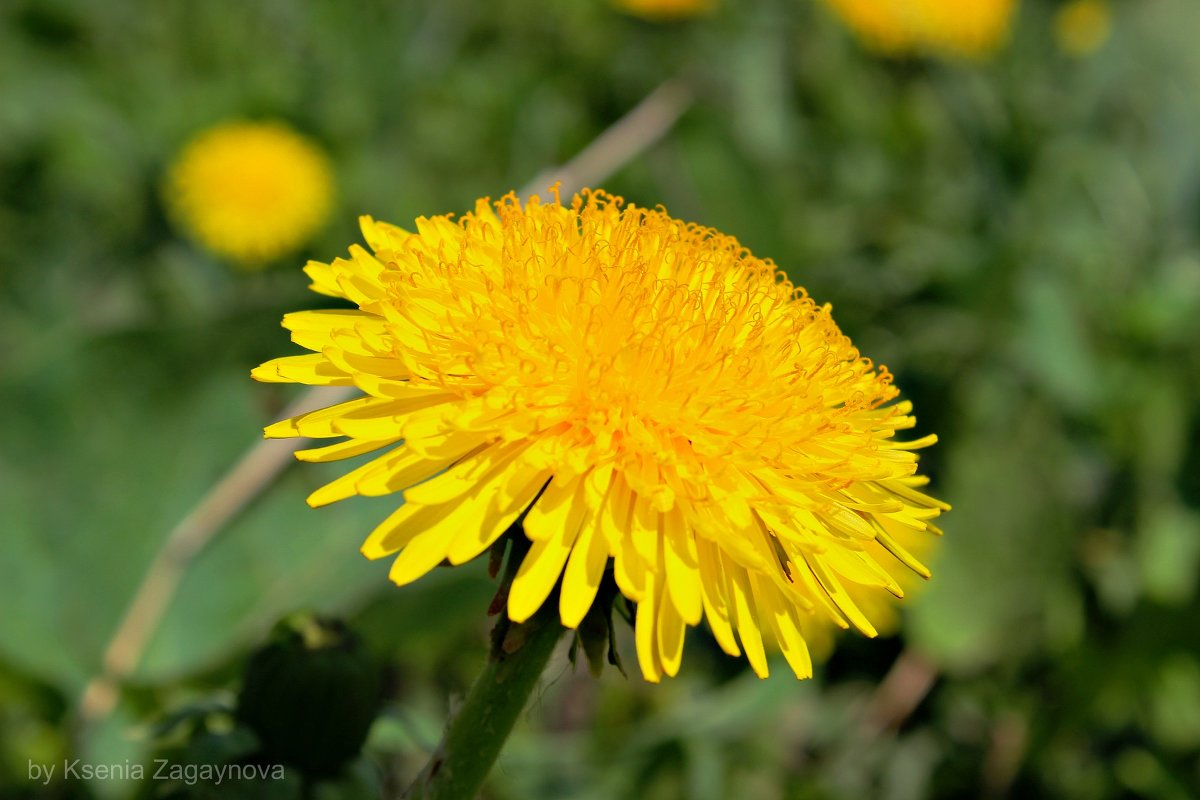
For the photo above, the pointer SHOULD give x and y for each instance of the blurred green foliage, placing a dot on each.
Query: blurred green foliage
(1019, 241)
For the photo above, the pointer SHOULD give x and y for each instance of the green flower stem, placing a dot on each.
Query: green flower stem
(478, 731)
(475, 736)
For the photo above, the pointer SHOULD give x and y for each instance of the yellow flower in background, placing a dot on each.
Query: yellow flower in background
(663, 404)
(956, 28)
(665, 9)
(250, 191)
(877, 22)
(1081, 27)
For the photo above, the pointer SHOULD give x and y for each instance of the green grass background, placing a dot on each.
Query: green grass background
(1018, 240)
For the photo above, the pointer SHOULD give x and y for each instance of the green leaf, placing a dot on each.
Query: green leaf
(83, 541)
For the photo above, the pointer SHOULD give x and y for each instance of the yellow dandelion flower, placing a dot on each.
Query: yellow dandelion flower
(658, 401)
(956, 28)
(250, 191)
(659, 10)
(1082, 27)
(879, 607)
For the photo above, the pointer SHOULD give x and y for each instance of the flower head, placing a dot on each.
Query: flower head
(659, 402)
(955, 28)
(250, 191)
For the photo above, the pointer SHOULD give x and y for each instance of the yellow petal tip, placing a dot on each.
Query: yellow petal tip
(284, 429)
(517, 611)
(372, 551)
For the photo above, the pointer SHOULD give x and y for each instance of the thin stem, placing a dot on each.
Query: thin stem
(621, 142)
(478, 731)
(241, 484)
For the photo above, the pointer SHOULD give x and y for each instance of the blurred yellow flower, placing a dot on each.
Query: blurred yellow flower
(665, 9)
(1081, 27)
(250, 191)
(663, 404)
(957, 28)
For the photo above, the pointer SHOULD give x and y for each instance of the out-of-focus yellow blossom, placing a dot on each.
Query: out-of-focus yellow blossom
(970, 29)
(250, 191)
